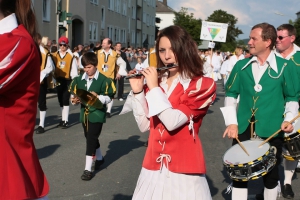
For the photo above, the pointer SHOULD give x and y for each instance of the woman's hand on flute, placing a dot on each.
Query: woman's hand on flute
(151, 76)
(137, 82)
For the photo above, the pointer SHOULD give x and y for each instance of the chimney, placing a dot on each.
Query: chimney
(165, 2)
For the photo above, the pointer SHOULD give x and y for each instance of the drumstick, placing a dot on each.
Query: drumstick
(242, 146)
(278, 131)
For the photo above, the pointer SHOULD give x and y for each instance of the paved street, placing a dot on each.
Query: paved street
(62, 155)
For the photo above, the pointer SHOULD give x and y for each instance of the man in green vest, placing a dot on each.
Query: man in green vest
(268, 89)
(92, 118)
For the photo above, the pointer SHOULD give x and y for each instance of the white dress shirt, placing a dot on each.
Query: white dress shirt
(49, 65)
(156, 103)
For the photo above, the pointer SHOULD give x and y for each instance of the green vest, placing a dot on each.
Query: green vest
(268, 105)
(102, 86)
(295, 60)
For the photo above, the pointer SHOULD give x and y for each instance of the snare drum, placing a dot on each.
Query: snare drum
(241, 167)
(291, 147)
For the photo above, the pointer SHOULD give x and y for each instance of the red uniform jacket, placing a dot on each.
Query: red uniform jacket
(184, 150)
(21, 176)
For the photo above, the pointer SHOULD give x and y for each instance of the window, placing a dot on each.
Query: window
(102, 17)
(93, 31)
(94, 2)
(129, 20)
(133, 36)
(46, 10)
(133, 12)
(129, 3)
(111, 4)
(124, 11)
(144, 17)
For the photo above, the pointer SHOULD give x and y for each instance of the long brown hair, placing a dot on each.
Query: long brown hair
(185, 51)
(24, 13)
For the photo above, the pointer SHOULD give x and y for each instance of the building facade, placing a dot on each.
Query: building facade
(131, 22)
(165, 14)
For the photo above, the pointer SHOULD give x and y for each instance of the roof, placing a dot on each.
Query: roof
(161, 7)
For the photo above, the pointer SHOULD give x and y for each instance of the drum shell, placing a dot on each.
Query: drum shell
(292, 145)
(254, 169)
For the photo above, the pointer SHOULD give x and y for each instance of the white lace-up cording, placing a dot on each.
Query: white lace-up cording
(161, 132)
(229, 189)
(191, 125)
(161, 160)
(163, 145)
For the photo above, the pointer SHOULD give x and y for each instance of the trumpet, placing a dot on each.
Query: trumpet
(169, 66)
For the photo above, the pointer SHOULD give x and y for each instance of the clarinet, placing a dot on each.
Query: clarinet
(169, 66)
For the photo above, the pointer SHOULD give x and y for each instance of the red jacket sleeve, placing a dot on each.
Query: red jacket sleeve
(17, 61)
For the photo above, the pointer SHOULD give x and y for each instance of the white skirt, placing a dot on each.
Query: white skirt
(166, 185)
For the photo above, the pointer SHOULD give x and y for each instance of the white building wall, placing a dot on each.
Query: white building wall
(166, 20)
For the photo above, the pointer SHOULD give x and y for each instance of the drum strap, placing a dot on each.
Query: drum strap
(252, 127)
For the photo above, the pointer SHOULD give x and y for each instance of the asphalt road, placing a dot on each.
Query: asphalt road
(62, 155)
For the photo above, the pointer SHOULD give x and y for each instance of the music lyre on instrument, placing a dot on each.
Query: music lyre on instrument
(87, 98)
(169, 66)
(278, 131)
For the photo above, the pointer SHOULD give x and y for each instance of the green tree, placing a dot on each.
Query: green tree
(297, 27)
(233, 32)
(189, 23)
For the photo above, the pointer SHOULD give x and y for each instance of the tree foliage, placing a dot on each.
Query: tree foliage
(233, 32)
(297, 27)
(189, 23)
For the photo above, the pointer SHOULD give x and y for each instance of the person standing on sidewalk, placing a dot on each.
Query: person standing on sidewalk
(21, 174)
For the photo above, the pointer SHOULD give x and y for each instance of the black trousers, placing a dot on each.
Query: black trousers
(120, 87)
(42, 96)
(271, 178)
(92, 132)
(63, 94)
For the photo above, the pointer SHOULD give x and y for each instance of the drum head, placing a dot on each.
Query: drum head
(236, 155)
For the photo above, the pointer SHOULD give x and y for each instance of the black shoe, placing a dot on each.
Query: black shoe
(287, 191)
(146, 144)
(98, 163)
(65, 125)
(260, 196)
(107, 115)
(39, 130)
(297, 170)
(87, 175)
(60, 124)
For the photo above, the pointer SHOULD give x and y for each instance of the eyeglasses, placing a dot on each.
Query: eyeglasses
(281, 37)
(62, 45)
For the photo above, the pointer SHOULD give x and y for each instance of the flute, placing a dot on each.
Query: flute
(169, 66)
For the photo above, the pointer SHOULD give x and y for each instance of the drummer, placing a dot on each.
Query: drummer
(92, 118)
(268, 89)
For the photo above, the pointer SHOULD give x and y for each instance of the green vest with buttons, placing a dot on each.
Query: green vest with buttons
(295, 60)
(102, 86)
(268, 105)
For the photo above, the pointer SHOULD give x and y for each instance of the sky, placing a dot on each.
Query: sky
(248, 12)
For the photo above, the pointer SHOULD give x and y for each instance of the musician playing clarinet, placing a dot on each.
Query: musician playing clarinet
(172, 105)
(268, 88)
